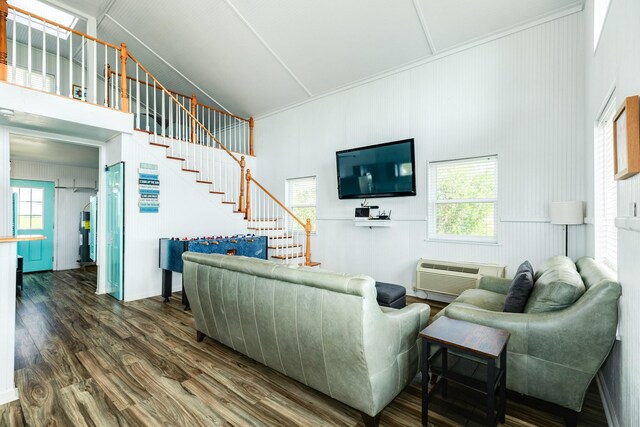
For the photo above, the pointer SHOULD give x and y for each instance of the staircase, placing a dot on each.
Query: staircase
(209, 143)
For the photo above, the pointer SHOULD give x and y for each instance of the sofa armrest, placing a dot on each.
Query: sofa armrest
(495, 284)
(411, 318)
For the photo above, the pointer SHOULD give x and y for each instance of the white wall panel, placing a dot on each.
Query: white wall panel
(617, 62)
(519, 97)
(68, 204)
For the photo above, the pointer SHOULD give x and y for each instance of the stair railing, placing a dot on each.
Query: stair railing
(266, 215)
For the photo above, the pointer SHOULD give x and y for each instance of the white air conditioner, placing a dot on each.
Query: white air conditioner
(449, 279)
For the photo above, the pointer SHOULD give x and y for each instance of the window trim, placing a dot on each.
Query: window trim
(431, 205)
(291, 207)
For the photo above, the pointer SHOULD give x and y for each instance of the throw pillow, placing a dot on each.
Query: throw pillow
(520, 289)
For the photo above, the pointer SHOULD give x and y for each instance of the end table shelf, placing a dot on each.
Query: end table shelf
(480, 342)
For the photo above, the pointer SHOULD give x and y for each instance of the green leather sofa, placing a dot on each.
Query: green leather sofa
(321, 328)
(565, 334)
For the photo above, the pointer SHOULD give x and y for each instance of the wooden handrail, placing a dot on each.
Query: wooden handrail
(251, 178)
(160, 86)
(55, 24)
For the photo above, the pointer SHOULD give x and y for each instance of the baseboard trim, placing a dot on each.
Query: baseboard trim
(9, 396)
(609, 410)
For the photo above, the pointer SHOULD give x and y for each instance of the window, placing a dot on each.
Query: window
(600, 10)
(606, 195)
(34, 81)
(49, 12)
(301, 199)
(463, 195)
(30, 208)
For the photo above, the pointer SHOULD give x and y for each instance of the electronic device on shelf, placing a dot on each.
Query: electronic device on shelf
(384, 215)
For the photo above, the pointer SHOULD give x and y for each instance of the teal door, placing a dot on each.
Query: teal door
(115, 230)
(33, 214)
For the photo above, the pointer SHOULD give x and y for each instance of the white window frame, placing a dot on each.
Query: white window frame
(432, 203)
(291, 206)
(605, 188)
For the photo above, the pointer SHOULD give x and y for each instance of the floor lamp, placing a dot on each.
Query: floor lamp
(566, 213)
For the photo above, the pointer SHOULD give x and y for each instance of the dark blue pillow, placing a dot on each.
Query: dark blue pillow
(520, 289)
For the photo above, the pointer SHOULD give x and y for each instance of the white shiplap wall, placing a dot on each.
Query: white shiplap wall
(68, 204)
(520, 97)
(617, 62)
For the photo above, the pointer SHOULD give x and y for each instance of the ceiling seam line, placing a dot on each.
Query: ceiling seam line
(166, 62)
(266, 45)
(425, 28)
(575, 8)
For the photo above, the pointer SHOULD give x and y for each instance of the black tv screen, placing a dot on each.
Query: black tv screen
(383, 170)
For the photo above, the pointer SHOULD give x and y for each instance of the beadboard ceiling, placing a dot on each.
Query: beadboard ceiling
(255, 56)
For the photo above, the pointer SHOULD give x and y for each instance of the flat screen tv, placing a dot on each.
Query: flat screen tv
(383, 170)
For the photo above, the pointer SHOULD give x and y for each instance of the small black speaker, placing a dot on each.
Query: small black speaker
(362, 212)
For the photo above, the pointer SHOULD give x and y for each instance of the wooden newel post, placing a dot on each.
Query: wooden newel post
(307, 228)
(251, 136)
(241, 198)
(4, 12)
(194, 112)
(247, 208)
(124, 97)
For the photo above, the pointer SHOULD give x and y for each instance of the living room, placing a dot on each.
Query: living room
(528, 93)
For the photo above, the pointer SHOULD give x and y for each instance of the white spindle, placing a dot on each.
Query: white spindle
(116, 92)
(95, 72)
(29, 54)
(44, 57)
(14, 47)
(163, 119)
(155, 113)
(137, 96)
(106, 77)
(82, 72)
(146, 100)
(70, 65)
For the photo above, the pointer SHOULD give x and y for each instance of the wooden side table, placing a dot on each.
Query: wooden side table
(481, 342)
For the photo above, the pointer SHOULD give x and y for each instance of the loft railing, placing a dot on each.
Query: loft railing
(233, 131)
(81, 69)
(75, 69)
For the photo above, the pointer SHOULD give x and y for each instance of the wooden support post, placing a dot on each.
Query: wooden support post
(124, 96)
(247, 208)
(307, 228)
(241, 198)
(4, 12)
(194, 112)
(251, 136)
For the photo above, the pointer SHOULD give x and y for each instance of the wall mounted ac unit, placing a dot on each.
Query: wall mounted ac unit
(449, 279)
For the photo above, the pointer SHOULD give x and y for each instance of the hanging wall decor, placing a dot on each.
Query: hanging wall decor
(626, 139)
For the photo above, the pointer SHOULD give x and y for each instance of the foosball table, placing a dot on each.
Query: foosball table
(171, 250)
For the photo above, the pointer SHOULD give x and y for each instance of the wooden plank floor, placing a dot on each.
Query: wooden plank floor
(85, 359)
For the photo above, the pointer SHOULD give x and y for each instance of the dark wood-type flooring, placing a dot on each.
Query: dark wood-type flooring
(86, 359)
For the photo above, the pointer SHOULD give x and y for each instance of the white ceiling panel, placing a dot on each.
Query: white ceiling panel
(209, 43)
(332, 43)
(456, 22)
(45, 150)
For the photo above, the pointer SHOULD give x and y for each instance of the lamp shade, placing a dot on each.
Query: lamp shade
(566, 213)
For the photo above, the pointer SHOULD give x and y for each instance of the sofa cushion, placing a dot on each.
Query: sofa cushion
(520, 289)
(558, 261)
(555, 289)
(480, 298)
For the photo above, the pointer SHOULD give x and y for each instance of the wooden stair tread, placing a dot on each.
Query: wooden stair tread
(216, 192)
(283, 236)
(176, 158)
(265, 228)
(292, 245)
(288, 256)
(190, 170)
(200, 181)
(157, 144)
(229, 203)
(264, 219)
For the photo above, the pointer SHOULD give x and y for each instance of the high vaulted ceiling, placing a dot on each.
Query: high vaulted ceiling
(257, 56)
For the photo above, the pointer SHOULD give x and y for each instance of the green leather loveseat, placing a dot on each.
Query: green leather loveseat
(565, 334)
(321, 328)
